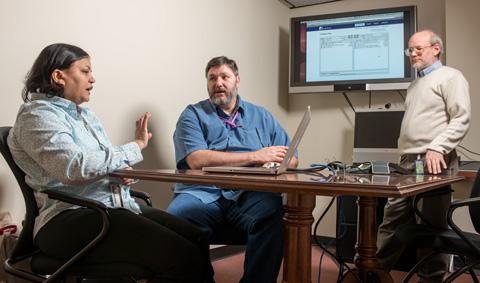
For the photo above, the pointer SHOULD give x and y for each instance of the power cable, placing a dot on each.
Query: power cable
(466, 149)
(340, 263)
(349, 102)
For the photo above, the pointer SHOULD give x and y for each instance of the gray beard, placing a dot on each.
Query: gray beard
(222, 102)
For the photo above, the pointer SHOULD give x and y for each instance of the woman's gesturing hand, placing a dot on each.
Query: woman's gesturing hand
(142, 135)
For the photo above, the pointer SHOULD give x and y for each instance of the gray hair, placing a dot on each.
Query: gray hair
(435, 39)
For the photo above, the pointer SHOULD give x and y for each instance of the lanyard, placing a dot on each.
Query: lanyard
(232, 122)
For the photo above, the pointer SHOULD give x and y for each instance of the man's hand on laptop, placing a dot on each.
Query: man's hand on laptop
(269, 154)
(271, 165)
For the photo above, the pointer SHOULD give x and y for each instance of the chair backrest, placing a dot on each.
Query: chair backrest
(24, 244)
(475, 209)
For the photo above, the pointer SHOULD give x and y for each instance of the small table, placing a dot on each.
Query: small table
(301, 190)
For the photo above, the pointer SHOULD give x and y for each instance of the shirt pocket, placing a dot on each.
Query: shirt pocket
(253, 138)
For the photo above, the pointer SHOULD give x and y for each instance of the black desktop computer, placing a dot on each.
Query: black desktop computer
(376, 135)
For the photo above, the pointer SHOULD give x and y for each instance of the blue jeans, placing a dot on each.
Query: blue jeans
(257, 214)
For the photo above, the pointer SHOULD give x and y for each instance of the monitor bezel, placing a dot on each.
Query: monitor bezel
(346, 85)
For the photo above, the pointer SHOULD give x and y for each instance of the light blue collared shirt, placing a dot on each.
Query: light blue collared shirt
(435, 66)
(200, 127)
(62, 146)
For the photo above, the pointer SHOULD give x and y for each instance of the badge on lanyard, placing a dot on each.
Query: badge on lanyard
(116, 195)
(231, 122)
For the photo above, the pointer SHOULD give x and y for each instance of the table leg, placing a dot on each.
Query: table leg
(298, 230)
(367, 268)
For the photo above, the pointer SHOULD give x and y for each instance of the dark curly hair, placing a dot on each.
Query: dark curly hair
(55, 56)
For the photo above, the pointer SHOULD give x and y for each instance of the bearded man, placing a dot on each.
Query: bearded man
(225, 130)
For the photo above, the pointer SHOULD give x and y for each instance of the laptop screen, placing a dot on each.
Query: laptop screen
(302, 127)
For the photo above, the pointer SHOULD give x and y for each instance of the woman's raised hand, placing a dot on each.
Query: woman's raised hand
(142, 135)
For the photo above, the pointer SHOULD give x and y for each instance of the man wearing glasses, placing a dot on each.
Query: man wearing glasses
(437, 118)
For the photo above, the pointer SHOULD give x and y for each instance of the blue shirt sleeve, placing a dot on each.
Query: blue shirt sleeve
(188, 137)
(131, 151)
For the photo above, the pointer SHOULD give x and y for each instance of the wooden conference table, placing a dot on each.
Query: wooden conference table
(301, 190)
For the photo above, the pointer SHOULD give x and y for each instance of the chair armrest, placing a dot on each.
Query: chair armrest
(142, 195)
(93, 204)
(75, 199)
(463, 202)
(428, 194)
(451, 223)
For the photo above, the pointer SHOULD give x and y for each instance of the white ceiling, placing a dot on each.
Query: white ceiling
(301, 3)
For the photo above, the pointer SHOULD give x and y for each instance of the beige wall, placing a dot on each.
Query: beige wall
(462, 22)
(147, 55)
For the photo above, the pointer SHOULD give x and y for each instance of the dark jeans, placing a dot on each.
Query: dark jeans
(257, 214)
(173, 249)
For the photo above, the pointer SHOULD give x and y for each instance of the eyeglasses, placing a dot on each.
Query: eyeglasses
(417, 49)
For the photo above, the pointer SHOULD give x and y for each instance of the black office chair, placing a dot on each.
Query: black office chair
(48, 269)
(452, 241)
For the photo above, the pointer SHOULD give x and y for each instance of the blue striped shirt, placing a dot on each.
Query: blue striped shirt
(62, 146)
(435, 66)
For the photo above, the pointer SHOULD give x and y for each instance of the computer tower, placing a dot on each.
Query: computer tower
(346, 234)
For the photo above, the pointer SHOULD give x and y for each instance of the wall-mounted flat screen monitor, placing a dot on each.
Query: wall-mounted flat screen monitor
(361, 50)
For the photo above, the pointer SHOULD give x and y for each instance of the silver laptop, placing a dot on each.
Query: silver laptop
(264, 170)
